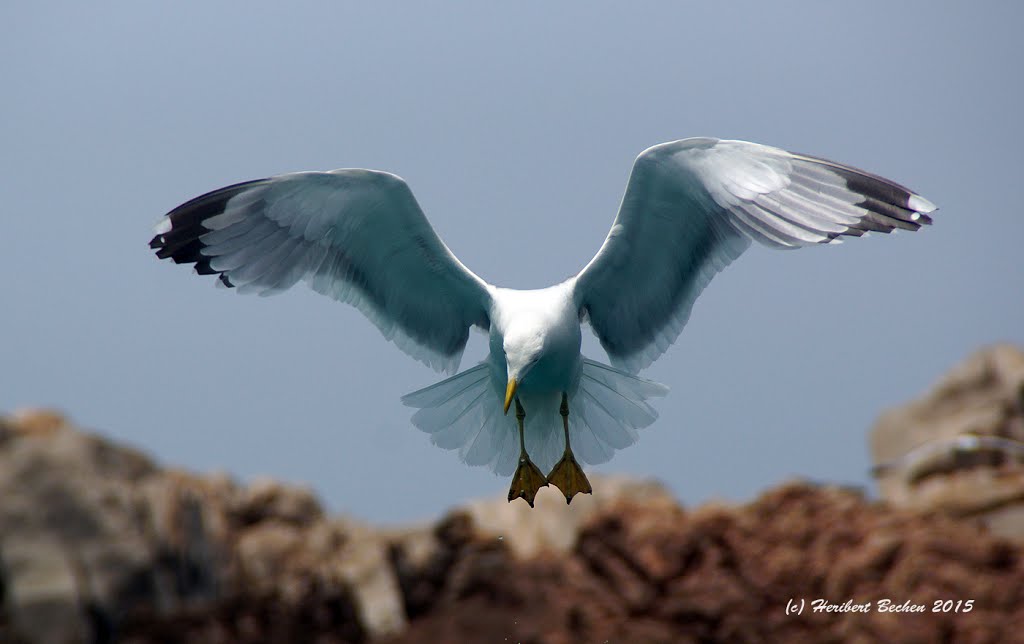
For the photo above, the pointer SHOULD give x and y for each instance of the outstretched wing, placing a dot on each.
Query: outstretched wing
(693, 206)
(356, 235)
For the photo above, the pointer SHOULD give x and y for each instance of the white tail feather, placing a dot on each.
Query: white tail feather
(464, 413)
(609, 407)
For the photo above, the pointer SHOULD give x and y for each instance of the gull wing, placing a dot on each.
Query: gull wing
(357, 236)
(693, 206)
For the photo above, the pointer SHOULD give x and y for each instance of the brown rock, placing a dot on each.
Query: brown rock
(960, 448)
(99, 544)
(653, 574)
(267, 499)
(97, 541)
(552, 525)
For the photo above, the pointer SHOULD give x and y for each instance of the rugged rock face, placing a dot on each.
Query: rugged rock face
(960, 448)
(96, 540)
(99, 544)
(653, 572)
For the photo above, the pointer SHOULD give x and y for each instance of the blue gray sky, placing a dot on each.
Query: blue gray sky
(516, 127)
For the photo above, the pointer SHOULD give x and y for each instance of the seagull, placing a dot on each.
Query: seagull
(690, 208)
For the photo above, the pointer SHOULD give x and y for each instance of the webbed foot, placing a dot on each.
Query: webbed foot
(568, 476)
(527, 480)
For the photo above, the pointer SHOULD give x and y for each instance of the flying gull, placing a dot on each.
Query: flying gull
(690, 208)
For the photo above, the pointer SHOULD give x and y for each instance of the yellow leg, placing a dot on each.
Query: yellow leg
(528, 477)
(567, 474)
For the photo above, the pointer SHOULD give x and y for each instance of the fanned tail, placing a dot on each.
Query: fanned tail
(609, 407)
(464, 413)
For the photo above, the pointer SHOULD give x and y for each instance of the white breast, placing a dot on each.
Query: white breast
(550, 315)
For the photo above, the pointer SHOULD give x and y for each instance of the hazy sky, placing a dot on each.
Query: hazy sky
(516, 129)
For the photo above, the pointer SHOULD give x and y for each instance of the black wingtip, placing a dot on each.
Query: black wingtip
(891, 205)
(180, 239)
(203, 267)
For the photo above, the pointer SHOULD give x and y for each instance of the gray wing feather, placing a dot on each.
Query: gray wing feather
(693, 206)
(357, 236)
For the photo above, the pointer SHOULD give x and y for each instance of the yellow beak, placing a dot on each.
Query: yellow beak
(510, 393)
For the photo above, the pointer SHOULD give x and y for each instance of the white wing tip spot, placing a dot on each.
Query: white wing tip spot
(920, 204)
(163, 226)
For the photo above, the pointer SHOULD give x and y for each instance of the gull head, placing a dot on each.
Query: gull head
(524, 345)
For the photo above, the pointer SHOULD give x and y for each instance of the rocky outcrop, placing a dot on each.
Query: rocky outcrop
(960, 448)
(96, 538)
(654, 572)
(100, 544)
